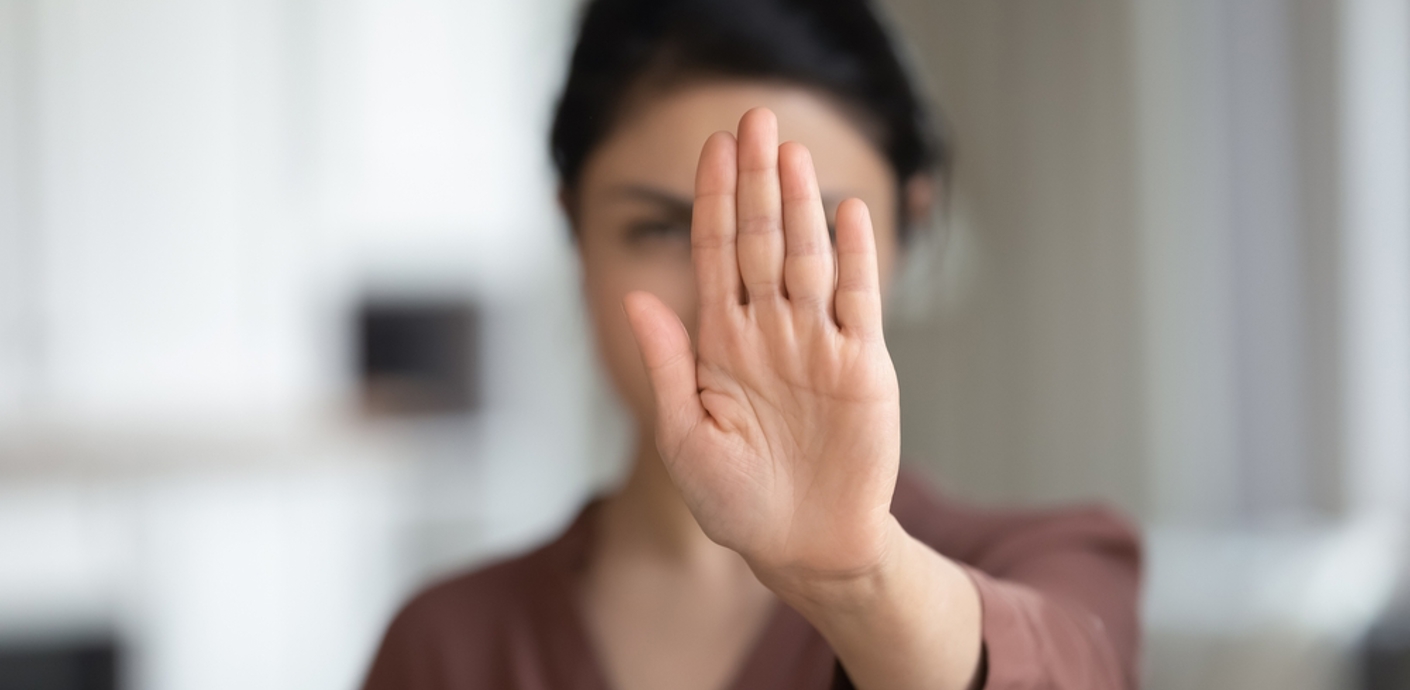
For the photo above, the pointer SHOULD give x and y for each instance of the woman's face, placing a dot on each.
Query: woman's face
(633, 202)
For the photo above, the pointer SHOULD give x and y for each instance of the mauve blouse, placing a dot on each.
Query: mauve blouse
(1058, 589)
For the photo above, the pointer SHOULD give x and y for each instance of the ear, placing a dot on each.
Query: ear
(568, 204)
(920, 195)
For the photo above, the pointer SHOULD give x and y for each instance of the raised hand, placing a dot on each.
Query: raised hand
(782, 427)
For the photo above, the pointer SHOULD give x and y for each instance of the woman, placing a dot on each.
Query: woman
(765, 537)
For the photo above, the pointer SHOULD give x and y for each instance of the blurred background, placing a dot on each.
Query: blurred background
(289, 322)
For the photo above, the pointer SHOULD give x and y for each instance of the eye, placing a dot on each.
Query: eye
(654, 230)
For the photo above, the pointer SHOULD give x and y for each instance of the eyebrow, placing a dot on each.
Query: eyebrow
(680, 204)
(653, 195)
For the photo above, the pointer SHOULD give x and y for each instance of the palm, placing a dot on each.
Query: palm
(782, 428)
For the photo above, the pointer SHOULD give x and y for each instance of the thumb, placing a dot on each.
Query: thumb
(670, 365)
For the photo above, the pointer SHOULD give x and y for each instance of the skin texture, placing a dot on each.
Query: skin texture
(751, 354)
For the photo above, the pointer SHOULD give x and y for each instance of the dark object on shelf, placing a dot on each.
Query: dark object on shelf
(1385, 654)
(71, 666)
(418, 357)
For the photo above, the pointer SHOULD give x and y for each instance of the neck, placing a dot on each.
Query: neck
(649, 516)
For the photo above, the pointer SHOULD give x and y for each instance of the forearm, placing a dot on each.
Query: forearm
(911, 622)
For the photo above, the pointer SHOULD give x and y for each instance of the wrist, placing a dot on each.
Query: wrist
(853, 590)
(913, 619)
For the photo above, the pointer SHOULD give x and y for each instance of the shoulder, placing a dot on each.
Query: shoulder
(461, 631)
(1059, 587)
(471, 606)
(474, 598)
(997, 540)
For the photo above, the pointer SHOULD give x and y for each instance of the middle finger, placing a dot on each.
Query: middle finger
(760, 228)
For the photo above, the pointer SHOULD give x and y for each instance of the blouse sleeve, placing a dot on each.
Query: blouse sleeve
(1059, 590)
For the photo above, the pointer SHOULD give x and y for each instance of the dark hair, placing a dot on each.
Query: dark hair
(838, 47)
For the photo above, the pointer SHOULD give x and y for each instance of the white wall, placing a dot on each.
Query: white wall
(194, 196)
(1376, 253)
